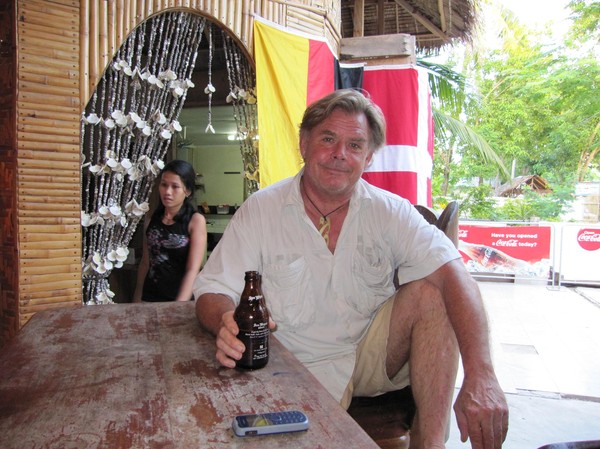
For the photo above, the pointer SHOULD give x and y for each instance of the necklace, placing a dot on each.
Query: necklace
(324, 221)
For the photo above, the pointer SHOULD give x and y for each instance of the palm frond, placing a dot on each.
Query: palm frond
(447, 127)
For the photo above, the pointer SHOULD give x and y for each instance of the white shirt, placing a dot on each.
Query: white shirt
(323, 302)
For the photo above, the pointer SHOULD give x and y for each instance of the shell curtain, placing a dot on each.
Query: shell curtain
(128, 126)
(126, 130)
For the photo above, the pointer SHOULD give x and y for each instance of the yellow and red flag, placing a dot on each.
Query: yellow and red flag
(293, 70)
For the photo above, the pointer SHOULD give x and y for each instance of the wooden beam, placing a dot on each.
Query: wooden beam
(423, 20)
(384, 46)
(381, 17)
(443, 15)
(358, 19)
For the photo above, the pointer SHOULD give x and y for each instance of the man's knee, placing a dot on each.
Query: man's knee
(420, 298)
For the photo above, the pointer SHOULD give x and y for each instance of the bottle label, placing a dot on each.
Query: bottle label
(256, 341)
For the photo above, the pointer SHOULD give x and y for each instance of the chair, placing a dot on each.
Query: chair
(387, 418)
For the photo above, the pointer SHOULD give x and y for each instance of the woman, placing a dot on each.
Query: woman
(174, 239)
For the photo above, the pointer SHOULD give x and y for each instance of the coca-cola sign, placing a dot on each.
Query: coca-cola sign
(589, 239)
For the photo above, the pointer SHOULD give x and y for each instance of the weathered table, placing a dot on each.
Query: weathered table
(145, 376)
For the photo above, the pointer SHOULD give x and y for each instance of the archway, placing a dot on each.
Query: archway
(132, 122)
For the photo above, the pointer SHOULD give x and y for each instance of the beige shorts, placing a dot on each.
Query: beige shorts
(370, 377)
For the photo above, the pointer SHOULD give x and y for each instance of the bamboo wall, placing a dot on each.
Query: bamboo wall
(9, 322)
(61, 48)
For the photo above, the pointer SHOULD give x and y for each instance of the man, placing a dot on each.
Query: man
(327, 244)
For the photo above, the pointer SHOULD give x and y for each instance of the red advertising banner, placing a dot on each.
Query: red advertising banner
(523, 251)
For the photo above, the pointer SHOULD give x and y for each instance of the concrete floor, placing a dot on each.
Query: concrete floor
(546, 350)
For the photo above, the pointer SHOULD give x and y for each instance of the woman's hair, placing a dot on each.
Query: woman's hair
(350, 101)
(187, 174)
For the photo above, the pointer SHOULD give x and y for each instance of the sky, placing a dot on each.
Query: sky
(537, 12)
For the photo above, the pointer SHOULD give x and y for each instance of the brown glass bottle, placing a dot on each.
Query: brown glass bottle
(252, 318)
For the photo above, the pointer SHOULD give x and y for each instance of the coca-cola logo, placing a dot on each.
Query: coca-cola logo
(589, 239)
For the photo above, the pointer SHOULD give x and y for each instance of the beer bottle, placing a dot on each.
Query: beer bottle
(252, 318)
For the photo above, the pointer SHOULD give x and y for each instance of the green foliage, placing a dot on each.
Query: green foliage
(477, 203)
(525, 102)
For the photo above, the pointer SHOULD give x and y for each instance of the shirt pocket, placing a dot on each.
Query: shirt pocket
(372, 277)
(288, 291)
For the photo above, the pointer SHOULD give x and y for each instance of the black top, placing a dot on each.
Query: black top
(168, 247)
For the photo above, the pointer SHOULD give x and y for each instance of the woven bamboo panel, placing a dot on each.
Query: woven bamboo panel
(106, 23)
(48, 188)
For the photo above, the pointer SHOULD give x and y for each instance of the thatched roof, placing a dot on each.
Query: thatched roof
(434, 23)
(515, 187)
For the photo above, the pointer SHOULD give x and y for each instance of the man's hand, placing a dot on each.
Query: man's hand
(229, 347)
(482, 413)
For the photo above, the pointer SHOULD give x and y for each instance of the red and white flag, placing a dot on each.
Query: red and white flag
(404, 165)
(293, 70)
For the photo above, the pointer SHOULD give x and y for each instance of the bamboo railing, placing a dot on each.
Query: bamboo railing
(62, 49)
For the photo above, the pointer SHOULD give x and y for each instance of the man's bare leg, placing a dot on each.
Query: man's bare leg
(421, 333)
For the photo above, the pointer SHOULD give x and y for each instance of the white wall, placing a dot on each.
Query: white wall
(222, 170)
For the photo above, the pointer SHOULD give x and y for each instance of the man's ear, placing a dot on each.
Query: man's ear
(302, 142)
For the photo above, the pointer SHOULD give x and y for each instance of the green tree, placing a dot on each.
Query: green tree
(527, 102)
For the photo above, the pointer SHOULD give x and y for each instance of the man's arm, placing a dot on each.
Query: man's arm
(215, 314)
(481, 408)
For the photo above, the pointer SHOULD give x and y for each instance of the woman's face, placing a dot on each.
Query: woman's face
(172, 190)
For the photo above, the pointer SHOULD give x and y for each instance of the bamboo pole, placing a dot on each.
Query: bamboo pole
(38, 32)
(47, 278)
(50, 80)
(42, 142)
(31, 307)
(36, 297)
(50, 8)
(66, 36)
(93, 46)
(31, 186)
(130, 22)
(46, 254)
(51, 244)
(37, 202)
(60, 229)
(55, 100)
(33, 264)
(43, 123)
(111, 32)
(46, 269)
(57, 173)
(39, 287)
(40, 18)
(41, 237)
(36, 163)
(85, 87)
(120, 24)
(45, 89)
(103, 36)
(31, 109)
(27, 59)
(44, 209)
(43, 131)
(56, 193)
(72, 220)
(33, 180)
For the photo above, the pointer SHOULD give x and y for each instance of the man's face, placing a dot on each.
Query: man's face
(336, 152)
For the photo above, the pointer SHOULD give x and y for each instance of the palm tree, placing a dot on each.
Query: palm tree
(451, 95)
